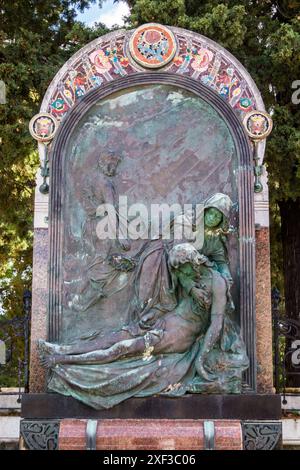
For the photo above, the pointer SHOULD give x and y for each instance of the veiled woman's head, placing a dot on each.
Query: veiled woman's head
(212, 217)
(217, 210)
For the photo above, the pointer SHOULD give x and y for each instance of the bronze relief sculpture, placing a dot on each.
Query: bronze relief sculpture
(103, 270)
(181, 336)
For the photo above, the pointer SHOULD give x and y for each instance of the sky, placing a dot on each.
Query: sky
(110, 14)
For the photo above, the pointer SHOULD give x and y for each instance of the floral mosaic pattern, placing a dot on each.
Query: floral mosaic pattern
(103, 64)
(199, 61)
(110, 59)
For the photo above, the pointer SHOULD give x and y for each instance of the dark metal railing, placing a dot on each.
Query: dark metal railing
(13, 330)
(286, 343)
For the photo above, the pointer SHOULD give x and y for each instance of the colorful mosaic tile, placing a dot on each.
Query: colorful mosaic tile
(258, 125)
(42, 127)
(152, 45)
(174, 50)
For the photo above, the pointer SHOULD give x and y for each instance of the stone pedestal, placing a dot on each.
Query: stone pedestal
(51, 421)
(148, 434)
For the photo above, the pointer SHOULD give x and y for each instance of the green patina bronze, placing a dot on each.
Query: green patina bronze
(155, 316)
(183, 340)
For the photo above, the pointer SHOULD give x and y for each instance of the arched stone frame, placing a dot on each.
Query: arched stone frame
(246, 203)
(183, 38)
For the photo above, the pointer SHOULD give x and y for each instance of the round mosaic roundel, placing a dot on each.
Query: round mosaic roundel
(258, 124)
(152, 45)
(43, 127)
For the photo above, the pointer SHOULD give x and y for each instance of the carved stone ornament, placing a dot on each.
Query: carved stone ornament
(43, 127)
(40, 435)
(152, 45)
(262, 435)
(258, 125)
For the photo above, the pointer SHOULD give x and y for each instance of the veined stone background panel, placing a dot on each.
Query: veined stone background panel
(174, 148)
(263, 313)
(37, 376)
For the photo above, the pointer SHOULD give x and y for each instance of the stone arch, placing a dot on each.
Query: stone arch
(246, 208)
(182, 64)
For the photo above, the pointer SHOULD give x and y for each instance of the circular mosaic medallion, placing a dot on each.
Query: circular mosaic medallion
(152, 45)
(258, 124)
(43, 126)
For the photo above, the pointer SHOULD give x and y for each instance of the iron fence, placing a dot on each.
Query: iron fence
(17, 355)
(286, 344)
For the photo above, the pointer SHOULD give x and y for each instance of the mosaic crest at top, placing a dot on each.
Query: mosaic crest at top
(156, 47)
(152, 45)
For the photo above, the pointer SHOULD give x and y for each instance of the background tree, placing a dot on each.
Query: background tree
(36, 38)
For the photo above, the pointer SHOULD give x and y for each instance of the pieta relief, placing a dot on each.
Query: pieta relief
(147, 290)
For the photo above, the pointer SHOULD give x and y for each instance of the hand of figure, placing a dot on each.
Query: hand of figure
(229, 281)
(125, 245)
(148, 319)
(202, 297)
(202, 259)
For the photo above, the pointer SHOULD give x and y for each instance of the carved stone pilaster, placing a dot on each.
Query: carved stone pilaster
(40, 435)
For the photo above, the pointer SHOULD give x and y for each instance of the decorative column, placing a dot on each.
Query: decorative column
(258, 126)
(43, 127)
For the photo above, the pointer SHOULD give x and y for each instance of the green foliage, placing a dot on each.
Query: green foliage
(223, 22)
(149, 12)
(36, 38)
(209, 18)
(283, 153)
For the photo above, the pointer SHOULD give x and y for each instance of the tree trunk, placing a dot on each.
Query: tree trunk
(290, 232)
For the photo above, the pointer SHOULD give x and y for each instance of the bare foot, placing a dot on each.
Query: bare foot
(43, 347)
(47, 348)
